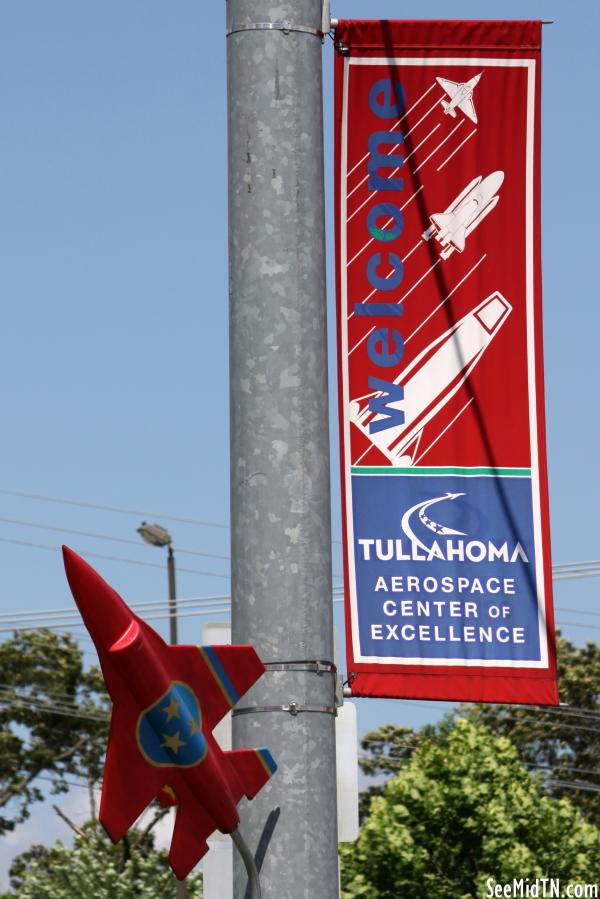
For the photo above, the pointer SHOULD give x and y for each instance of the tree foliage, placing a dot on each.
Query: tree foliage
(562, 744)
(132, 869)
(53, 719)
(463, 809)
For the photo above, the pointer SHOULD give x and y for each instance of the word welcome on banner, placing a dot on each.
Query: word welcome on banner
(447, 553)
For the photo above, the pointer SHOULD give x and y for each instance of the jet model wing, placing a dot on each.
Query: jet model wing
(451, 87)
(218, 675)
(128, 786)
(166, 702)
(468, 107)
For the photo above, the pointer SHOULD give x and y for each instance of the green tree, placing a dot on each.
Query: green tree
(562, 744)
(95, 867)
(464, 809)
(53, 719)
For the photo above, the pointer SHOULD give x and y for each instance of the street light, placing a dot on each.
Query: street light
(156, 535)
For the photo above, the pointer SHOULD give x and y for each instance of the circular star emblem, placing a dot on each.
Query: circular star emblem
(169, 733)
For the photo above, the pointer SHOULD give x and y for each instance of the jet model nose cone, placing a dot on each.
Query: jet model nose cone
(105, 614)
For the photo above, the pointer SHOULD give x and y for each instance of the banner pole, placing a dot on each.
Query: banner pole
(280, 495)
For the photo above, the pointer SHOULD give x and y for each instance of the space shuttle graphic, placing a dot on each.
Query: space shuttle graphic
(452, 227)
(432, 379)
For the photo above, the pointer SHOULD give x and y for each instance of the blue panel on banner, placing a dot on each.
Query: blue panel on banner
(445, 567)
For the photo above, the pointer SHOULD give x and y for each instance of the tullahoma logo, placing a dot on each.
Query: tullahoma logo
(455, 548)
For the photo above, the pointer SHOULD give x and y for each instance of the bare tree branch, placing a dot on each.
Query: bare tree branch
(77, 830)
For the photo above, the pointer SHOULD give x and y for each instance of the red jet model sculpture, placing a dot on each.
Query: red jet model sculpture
(166, 702)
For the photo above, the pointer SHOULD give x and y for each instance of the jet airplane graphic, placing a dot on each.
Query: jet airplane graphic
(461, 96)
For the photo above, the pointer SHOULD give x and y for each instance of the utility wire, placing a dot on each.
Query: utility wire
(561, 571)
(508, 717)
(71, 783)
(582, 786)
(50, 527)
(71, 611)
(184, 520)
(103, 508)
(574, 575)
(223, 610)
(113, 558)
(190, 610)
(52, 708)
(525, 708)
(594, 562)
(75, 712)
(192, 607)
(144, 605)
(594, 773)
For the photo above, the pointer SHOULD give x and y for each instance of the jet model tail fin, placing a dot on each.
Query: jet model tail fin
(253, 767)
(448, 109)
(192, 828)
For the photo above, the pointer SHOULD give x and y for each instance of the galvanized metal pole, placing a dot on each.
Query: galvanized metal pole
(281, 548)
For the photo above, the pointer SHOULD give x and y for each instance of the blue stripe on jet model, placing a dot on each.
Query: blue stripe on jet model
(221, 674)
(267, 760)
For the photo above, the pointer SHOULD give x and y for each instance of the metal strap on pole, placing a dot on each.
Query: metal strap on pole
(286, 27)
(318, 666)
(294, 708)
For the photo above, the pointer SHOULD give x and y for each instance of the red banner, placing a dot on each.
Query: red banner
(447, 553)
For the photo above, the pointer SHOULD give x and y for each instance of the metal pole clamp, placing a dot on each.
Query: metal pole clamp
(286, 27)
(293, 708)
(318, 666)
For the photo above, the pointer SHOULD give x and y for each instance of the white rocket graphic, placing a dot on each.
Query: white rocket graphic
(432, 379)
(452, 227)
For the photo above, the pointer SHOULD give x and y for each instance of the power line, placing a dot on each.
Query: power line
(222, 610)
(113, 558)
(104, 508)
(508, 717)
(593, 562)
(50, 527)
(52, 708)
(561, 571)
(576, 574)
(558, 765)
(70, 611)
(582, 786)
(71, 783)
(585, 624)
(64, 617)
(144, 605)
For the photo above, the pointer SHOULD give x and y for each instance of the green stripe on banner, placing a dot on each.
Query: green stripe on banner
(441, 470)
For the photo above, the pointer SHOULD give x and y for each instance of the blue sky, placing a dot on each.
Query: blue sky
(113, 278)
